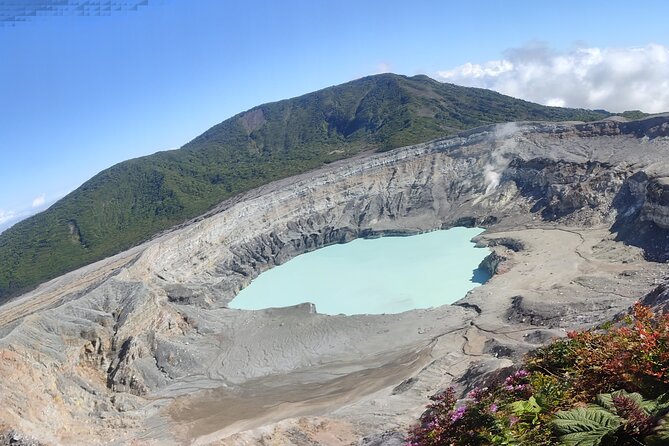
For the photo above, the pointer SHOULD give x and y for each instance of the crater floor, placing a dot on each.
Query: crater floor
(141, 348)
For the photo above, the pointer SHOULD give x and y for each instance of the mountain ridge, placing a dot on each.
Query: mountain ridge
(145, 338)
(133, 200)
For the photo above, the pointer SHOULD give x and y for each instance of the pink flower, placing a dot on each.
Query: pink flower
(477, 393)
(518, 376)
(458, 414)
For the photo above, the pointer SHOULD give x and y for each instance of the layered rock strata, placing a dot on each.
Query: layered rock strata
(142, 347)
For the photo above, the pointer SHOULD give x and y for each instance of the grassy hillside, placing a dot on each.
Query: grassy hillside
(129, 202)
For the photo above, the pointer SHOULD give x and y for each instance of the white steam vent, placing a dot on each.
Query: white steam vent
(504, 140)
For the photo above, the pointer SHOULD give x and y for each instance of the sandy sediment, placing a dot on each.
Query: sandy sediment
(141, 348)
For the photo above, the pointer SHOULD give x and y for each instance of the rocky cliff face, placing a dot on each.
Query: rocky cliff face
(656, 203)
(143, 346)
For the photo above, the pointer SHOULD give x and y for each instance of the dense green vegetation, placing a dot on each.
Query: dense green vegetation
(131, 201)
(608, 386)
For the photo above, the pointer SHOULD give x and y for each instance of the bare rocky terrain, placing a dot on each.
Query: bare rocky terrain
(141, 348)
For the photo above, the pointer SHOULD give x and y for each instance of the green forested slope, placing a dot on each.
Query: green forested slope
(131, 201)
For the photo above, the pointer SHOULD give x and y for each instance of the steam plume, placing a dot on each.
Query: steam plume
(498, 162)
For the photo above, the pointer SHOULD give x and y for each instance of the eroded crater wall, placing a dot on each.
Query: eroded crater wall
(111, 351)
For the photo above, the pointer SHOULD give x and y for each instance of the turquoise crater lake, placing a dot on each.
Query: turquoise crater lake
(374, 276)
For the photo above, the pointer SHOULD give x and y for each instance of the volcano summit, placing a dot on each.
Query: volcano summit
(141, 347)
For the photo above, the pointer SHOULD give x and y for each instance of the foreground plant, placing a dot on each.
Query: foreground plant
(608, 386)
(617, 418)
(633, 357)
(507, 414)
(446, 424)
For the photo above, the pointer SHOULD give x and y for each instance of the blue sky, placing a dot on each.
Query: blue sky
(81, 93)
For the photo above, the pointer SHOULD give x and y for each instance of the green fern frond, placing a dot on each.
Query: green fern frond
(585, 426)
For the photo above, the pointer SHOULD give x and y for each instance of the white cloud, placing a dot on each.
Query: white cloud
(11, 217)
(39, 201)
(615, 79)
(6, 216)
(383, 67)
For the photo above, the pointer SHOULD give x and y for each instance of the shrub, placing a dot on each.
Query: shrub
(506, 414)
(606, 386)
(618, 418)
(633, 356)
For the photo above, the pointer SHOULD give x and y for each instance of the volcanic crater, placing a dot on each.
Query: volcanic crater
(140, 348)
